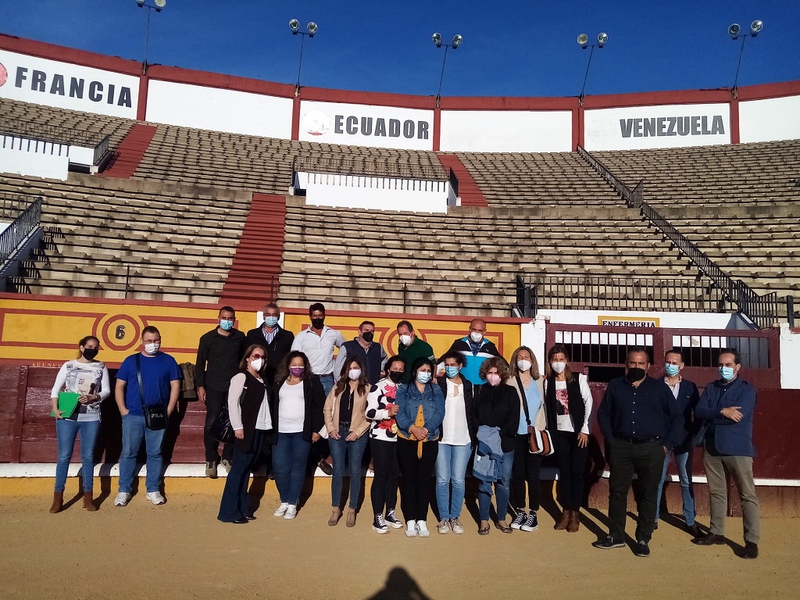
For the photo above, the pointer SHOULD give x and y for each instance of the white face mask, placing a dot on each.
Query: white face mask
(475, 336)
(152, 348)
(558, 367)
(257, 364)
(523, 365)
(405, 340)
(354, 374)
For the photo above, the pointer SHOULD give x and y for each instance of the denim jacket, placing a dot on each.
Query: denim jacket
(408, 401)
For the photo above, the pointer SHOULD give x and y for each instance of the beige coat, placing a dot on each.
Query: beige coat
(539, 420)
(359, 423)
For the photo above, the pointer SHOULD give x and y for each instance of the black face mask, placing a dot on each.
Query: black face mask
(368, 336)
(317, 323)
(90, 353)
(635, 374)
(395, 376)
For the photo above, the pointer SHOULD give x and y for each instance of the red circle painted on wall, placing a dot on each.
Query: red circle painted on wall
(120, 332)
(3, 74)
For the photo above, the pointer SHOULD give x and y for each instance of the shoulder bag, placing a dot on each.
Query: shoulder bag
(221, 429)
(155, 416)
(540, 441)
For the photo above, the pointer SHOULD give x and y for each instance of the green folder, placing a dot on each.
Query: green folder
(67, 401)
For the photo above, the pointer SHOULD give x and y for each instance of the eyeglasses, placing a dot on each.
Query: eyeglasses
(255, 356)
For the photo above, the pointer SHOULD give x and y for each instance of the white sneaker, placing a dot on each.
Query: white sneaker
(411, 529)
(458, 528)
(122, 499)
(281, 509)
(443, 527)
(291, 512)
(422, 529)
(156, 498)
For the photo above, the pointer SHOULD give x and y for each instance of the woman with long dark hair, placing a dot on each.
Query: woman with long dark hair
(568, 404)
(248, 407)
(88, 378)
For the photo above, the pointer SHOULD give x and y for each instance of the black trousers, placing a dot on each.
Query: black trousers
(235, 503)
(647, 462)
(526, 469)
(417, 477)
(571, 464)
(214, 402)
(384, 483)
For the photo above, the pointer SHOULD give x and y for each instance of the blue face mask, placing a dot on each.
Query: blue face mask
(423, 376)
(671, 370)
(451, 371)
(270, 321)
(226, 324)
(727, 373)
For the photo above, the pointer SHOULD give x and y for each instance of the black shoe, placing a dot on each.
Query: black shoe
(241, 521)
(641, 549)
(710, 540)
(655, 525)
(250, 517)
(326, 467)
(750, 550)
(694, 531)
(608, 543)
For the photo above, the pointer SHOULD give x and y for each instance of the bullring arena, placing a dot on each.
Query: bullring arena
(593, 222)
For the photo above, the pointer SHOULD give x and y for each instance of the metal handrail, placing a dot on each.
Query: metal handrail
(51, 133)
(368, 168)
(19, 229)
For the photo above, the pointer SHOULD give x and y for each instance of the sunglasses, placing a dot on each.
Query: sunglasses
(255, 356)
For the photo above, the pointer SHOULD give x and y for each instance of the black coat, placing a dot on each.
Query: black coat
(498, 406)
(469, 401)
(250, 403)
(315, 400)
(276, 351)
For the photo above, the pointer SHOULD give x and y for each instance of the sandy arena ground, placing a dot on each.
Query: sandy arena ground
(180, 550)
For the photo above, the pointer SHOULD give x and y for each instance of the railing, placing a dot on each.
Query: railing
(370, 168)
(615, 293)
(18, 231)
(763, 310)
(453, 181)
(51, 133)
(102, 150)
(12, 205)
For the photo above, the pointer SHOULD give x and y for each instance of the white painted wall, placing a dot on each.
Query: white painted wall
(219, 110)
(767, 120)
(29, 157)
(506, 131)
(676, 320)
(790, 358)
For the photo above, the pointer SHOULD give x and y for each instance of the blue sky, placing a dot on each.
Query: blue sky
(514, 48)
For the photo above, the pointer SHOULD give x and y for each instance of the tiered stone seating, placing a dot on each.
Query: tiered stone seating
(167, 242)
(461, 263)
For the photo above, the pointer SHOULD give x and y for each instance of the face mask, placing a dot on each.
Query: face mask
(226, 324)
(475, 336)
(395, 376)
(152, 348)
(493, 379)
(90, 353)
(297, 371)
(727, 373)
(672, 370)
(558, 367)
(368, 336)
(257, 364)
(524, 365)
(354, 374)
(405, 340)
(423, 376)
(270, 321)
(635, 374)
(318, 323)
(451, 371)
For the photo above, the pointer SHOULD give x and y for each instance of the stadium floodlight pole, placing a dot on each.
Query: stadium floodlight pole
(158, 5)
(583, 41)
(436, 38)
(311, 29)
(734, 30)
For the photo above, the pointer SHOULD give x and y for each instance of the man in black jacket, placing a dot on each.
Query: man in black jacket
(273, 337)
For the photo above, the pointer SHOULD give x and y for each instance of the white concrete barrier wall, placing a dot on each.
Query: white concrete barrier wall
(769, 120)
(34, 158)
(506, 131)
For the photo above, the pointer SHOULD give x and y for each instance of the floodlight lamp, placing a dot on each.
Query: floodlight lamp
(733, 30)
(583, 40)
(602, 38)
(457, 40)
(160, 4)
(140, 3)
(436, 38)
(294, 25)
(312, 28)
(756, 27)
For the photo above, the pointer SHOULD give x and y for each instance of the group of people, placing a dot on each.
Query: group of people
(419, 416)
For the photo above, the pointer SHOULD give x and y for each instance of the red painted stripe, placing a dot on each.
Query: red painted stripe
(131, 151)
(471, 194)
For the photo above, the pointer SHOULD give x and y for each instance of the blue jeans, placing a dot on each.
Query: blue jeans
(66, 431)
(451, 467)
(289, 456)
(353, 451)
(327, 383)
(133, 432)
(684, 464)
(502, 488)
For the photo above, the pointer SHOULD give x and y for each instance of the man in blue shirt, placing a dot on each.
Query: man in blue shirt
(161, 385)
(476, 349)
(641, 423)
(727, 406)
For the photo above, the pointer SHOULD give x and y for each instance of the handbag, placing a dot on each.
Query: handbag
(155, 416)
(221, 429)
(540, 440)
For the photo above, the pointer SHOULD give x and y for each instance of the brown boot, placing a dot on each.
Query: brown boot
(336, 514)
(88, 502)
(351, 517)
(563, 521)
(574, 521)
(58, 502)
